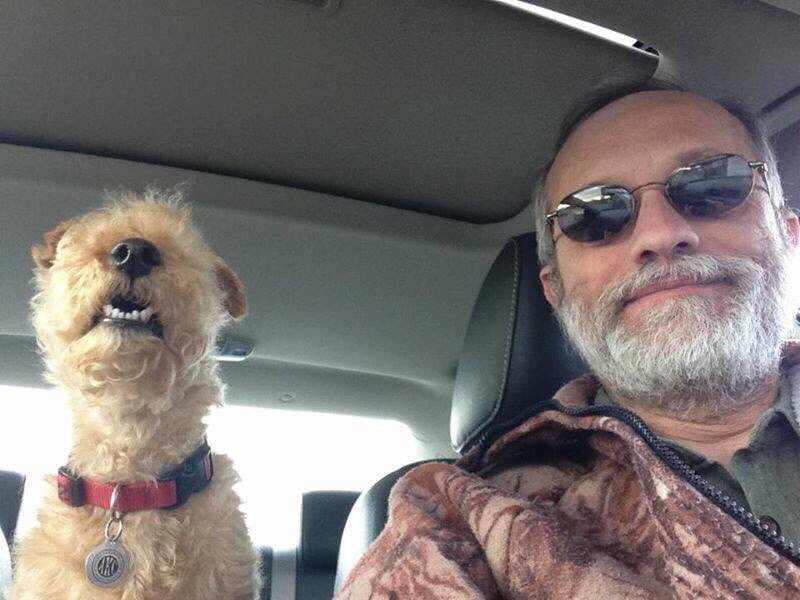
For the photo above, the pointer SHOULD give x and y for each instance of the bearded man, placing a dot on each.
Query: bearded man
(668, 256)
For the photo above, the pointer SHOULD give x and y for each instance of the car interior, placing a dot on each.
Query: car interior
(365, 167)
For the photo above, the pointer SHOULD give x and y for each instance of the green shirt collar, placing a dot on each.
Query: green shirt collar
(770, 428)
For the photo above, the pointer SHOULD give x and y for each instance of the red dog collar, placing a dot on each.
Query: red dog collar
(171, 490)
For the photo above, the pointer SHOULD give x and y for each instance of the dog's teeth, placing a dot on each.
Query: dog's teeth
(129, 316)
(146, 314)
(115, 313)
(135, 315)
(107, 310)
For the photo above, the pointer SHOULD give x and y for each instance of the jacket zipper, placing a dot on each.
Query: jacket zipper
(742, 516)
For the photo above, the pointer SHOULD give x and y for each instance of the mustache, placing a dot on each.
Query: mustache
(697, 269)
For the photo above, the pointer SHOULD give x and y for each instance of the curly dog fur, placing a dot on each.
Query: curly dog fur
(138, 402)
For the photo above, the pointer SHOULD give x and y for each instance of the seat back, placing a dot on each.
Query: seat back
(11, 487)
(366, 521)
(513, 357)
(514, 354)
(265, 570)
(5, 566)
(323, 517)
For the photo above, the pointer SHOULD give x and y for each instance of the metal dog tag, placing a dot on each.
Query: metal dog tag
(107, 565)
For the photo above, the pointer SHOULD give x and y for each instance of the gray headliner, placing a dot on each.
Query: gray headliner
(431, 105)
(747, 49)
(424, 104)
(357, 307)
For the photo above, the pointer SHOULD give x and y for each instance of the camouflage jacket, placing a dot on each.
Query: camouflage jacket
(576, 501)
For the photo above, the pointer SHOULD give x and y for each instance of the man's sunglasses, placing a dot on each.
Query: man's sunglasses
(705, 189)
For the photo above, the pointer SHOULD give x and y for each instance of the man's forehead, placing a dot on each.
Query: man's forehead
(640, 134)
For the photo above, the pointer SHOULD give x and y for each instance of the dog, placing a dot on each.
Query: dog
(128, 305)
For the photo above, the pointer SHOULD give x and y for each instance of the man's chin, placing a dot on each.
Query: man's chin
(683, 316)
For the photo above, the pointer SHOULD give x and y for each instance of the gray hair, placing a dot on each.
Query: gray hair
(609, 92)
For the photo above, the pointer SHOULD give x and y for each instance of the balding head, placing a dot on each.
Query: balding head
(606, 95)
(674, 306)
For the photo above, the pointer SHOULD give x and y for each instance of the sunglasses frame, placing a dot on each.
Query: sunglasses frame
(758, 166)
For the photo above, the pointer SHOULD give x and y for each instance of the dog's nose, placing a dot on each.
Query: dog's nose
(135, 257)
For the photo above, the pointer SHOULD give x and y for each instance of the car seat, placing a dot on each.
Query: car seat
(513, 357)
(11, 487)
(323, 517)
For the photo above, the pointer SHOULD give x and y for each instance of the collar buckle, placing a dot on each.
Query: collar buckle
(70, 488)
(192, 475)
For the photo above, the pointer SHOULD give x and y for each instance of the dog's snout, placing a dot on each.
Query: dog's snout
(135, 257)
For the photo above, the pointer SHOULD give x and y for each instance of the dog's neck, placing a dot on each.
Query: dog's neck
(143, 444)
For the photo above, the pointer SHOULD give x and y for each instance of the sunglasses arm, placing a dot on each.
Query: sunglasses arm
(761, 168)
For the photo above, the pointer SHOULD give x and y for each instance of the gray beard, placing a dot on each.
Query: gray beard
(690, 356)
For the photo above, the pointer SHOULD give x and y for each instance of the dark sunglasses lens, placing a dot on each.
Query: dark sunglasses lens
(711, 187)
(595, 213)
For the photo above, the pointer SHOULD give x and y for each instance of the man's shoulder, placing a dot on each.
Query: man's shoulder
(539, 476)
(542, 479)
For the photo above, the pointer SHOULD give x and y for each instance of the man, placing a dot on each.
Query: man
(668, 258)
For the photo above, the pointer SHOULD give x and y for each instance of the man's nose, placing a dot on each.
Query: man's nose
(135, 257)
(660, 231)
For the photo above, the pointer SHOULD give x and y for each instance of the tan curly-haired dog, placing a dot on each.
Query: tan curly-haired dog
(129, 303)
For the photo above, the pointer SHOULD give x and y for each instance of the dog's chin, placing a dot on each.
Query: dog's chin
(127, 327)
(109, 342)
(119, 363)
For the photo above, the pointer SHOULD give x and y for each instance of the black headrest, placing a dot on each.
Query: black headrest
(514, 354)
(12, 486)
(323, 517)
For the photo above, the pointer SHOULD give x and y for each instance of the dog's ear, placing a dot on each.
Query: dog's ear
(45, 254)
(235, 301)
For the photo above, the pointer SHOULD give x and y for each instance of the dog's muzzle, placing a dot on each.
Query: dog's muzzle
(128, 314)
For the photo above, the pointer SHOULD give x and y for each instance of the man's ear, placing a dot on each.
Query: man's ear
(551, 286)
(44, 255)
(235, 302)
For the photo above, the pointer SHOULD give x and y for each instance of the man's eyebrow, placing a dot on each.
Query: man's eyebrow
(581, 188)
(684, 159)
(696, 154)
